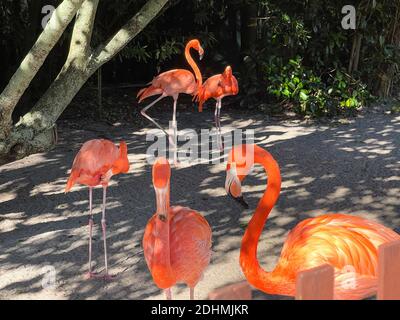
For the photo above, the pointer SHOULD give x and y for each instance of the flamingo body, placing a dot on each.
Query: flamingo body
(177, 240)
(348, 243)
(218, 87)
(190, 243)
(96, 162)
(170, 83)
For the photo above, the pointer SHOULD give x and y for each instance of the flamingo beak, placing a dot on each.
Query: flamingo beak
(233, 186)
(241, 201)
(201, 53)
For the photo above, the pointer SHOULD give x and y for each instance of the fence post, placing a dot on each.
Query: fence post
(389, 271)
(236, 291)
(315, 284)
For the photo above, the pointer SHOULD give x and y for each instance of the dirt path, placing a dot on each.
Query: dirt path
(348, 168)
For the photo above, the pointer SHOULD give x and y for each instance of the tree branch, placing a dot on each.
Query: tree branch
(21, 79)
(130, 30)
(80, 49)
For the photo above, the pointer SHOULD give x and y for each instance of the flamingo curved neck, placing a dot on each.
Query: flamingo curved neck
(257, 276)
(162, 253)
(194, 66)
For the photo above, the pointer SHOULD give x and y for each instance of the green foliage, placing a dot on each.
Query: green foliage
(299, 86)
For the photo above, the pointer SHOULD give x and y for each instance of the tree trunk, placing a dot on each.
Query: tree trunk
(386, 77)
(249, 14)
(33, 61)
(35, 132)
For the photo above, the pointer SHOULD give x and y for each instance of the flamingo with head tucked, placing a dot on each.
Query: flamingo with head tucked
(177, 240)
(218, 87)
(96, 162)
(348, 243)
(172, 83)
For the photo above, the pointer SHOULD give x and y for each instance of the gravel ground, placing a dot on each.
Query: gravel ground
(350, 166)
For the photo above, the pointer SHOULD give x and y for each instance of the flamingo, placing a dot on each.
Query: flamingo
(177, 240)
(218, 87)
(96, 162)
(172, 83)
(348, 243)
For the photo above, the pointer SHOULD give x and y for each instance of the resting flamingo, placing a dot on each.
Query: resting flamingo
(218, 87)
(177, 240)
(172, 83)
(96, 162)
(346, 242)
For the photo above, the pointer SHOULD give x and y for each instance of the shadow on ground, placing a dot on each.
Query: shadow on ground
(351, 168)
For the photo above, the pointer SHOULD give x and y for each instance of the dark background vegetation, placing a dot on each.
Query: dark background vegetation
(287, 55)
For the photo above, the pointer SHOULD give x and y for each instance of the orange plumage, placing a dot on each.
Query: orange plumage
(348, 243)
(96, 162)
(177, 240)
(218, 87)
(172, 83)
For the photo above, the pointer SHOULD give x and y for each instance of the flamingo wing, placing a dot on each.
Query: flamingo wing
(170, 83)
(348, 243)
(190, 243)
(94, 159)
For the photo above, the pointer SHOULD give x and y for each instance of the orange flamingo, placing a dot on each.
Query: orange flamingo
(172, 83)
(96, 162)
(177, 240)
(218, 87)
(346, 242)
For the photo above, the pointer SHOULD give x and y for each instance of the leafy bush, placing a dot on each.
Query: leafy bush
(309, 94)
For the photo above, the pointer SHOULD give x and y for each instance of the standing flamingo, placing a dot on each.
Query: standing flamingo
(218, 87)
(96, 162)
(172, 83)
(177, 240)
(348, 243)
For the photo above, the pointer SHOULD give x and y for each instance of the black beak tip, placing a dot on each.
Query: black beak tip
(241, 201)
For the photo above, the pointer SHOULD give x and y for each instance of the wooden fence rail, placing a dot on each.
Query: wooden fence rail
(318, 283)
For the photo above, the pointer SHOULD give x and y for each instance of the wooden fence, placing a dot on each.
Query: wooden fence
(318, 283)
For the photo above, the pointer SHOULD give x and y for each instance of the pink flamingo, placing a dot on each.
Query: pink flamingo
(172, 83)
(218, 87)
(341, 240)
(177, 240)
(96, 162)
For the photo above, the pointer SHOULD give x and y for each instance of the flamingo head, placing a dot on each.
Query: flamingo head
(230, 82)
(161, 181)
(195, 44)
(233, 185)
(240, 162)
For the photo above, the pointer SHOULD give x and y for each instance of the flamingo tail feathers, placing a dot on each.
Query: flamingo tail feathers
(148, 92)
(72, 179)
(200, 98)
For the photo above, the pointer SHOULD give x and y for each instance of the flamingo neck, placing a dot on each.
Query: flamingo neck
(254, 273)
(162, 269)
(193, 65)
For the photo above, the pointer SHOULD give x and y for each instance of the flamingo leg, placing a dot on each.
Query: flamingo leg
(168, 294)
(175, 131)
(103, 225)
(144, 114)
(191, 293)
(217, 116)
(90, 274)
